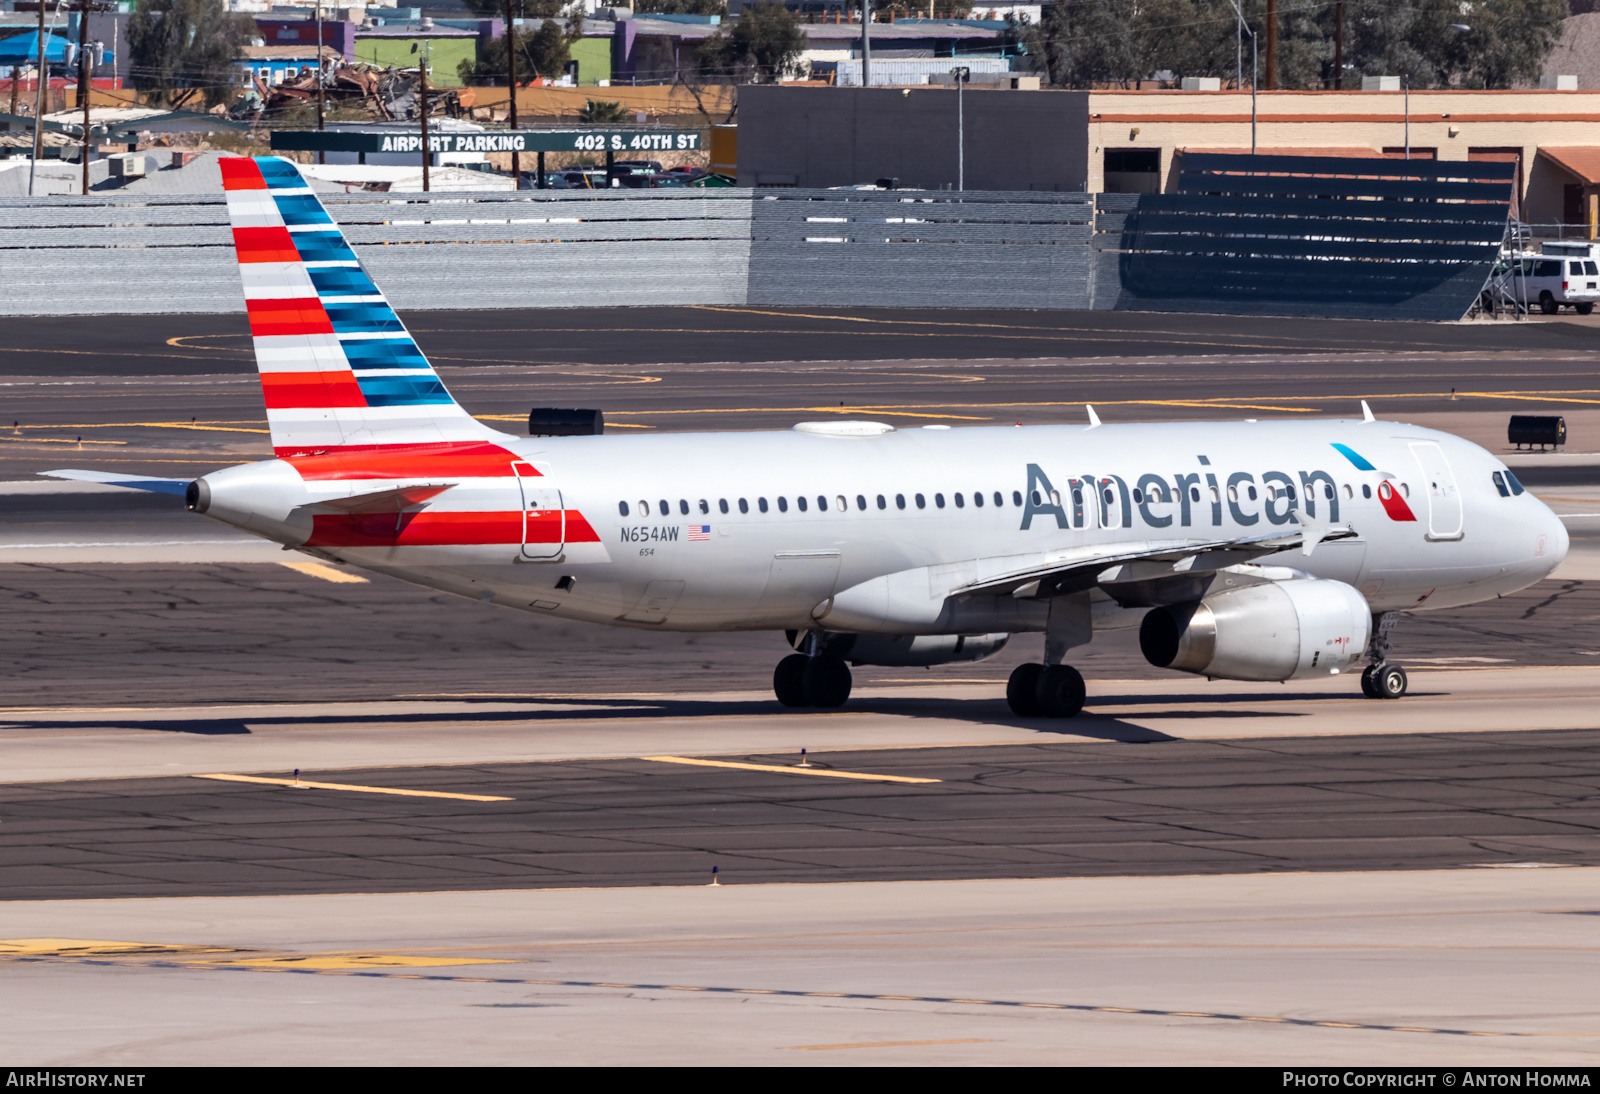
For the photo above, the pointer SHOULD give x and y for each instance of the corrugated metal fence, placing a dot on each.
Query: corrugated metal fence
(109, 255)
(1268, 235)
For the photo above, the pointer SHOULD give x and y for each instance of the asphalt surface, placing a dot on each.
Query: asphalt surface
(143, 345)
(1057, 810)
(153, 635)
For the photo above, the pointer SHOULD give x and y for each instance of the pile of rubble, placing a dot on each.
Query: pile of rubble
(386, 94)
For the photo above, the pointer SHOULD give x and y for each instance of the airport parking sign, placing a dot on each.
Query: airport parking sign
(505, 140)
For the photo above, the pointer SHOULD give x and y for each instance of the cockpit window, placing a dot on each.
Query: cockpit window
(1500, 484)
(1511, 480)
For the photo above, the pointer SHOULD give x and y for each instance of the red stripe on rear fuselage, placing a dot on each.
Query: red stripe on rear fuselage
(434, 529)
(441, 461)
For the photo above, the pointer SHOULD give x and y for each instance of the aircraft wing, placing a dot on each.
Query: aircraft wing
(132, 482)
(935, 599)
(1084, 568)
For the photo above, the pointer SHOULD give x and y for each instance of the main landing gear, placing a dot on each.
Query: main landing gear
(814, 681)
(1045, 691)
(1383, 678)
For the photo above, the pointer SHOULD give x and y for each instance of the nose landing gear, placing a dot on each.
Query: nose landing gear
(1383, 679)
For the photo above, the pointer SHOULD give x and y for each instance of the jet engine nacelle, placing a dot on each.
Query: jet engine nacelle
(1284, 630)
(906, 650)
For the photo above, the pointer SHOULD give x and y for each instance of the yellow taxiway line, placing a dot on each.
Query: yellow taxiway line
(789, 770)
(302, 783)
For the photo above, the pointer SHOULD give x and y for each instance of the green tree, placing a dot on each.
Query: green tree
(763, 46)
(680, 7)
(520, 9)
(543, 52)
(182, 50)
(911, 9)
(598, 113)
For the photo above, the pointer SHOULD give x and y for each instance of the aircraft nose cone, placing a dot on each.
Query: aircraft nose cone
(1555, 541)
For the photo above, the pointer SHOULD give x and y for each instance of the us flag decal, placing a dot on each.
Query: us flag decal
(699, 533)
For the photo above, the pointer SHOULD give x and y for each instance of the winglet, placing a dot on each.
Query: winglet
(1094, 419)
(1366, 412)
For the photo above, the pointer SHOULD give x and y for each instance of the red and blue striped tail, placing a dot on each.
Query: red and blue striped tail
(339, 371)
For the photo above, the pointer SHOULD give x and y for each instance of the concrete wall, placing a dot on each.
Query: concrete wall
(836, 136)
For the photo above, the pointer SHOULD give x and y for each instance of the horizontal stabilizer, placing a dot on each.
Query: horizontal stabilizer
(132, 482)
(382, 501)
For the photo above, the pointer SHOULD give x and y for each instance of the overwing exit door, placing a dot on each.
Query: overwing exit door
(544, 514)
(1444, 496)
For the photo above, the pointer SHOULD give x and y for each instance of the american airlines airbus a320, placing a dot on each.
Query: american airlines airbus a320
(1242, 551)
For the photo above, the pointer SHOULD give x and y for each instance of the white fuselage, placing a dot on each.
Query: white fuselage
(708, 531)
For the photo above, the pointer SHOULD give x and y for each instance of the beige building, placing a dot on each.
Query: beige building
(1137, 138)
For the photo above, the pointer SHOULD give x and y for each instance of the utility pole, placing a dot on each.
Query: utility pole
(322, 157)
(1407, 79)
(427, 153)
(1338, 45)
(38, 105)
(866, 43)
(84, 86)
(1272, 44)
(511, 82)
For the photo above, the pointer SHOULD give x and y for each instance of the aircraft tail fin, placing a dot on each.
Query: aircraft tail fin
(339, 371)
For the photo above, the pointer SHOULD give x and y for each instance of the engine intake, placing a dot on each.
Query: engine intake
(1284, 630)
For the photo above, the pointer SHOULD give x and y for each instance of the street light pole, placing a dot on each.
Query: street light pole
(322, 157)
(84, 86)
(1254, 69)
(38, 104)
(511, 81)
(961, 75)
(866, 43)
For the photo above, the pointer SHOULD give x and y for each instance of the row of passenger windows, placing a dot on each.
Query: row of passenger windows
(839, 502)
(979, 500)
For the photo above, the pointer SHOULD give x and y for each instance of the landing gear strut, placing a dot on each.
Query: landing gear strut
(1383, 678)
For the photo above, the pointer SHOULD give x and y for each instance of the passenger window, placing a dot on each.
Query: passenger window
(1109, 498)
(938, 500)
(1499, 484)
(705, 506)
(1511, 480)
(1216, 496)
(861, 502)
(883, 504)
(1327, 491)
(1194, 493)
(800, 501)
(843, 505)
(783, 505)
(1348, 493)
(1366, 490)
(1251, 490)
(761, 504)
(1591, 269)
(977, 498)
(999, 500)
(822, 503)
(1138, 496)
(1016, 498)
(622, 506)
(644, 509)
(922, 502)
(960, 502)
(744, 506)
(900, 501)
(1233, 493)
(683, 506)
(1055, 497)
(666, 509)
(1405, 488)
(1037, 500)
(722, 504)
(1289, 491)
